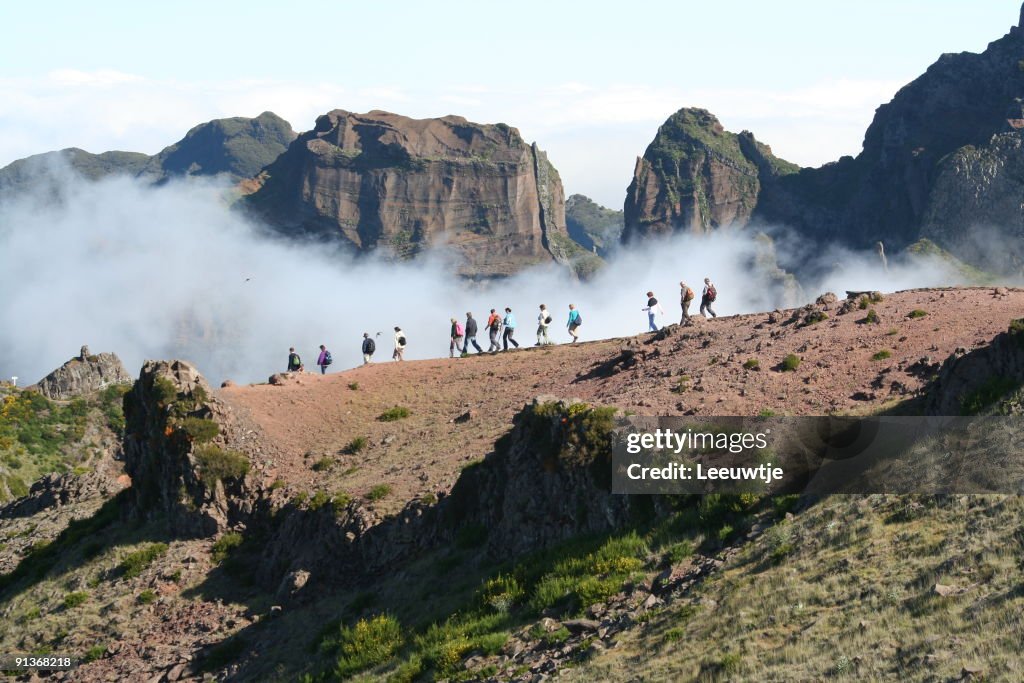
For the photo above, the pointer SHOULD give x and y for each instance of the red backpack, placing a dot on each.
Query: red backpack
(712, 293)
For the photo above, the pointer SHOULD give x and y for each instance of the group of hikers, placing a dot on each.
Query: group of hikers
(503, 328)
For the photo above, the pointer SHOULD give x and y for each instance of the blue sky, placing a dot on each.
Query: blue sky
(589, 81)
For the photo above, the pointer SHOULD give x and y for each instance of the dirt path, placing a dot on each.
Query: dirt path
(698, 369)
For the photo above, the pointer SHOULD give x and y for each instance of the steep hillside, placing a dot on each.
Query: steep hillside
(451, 519)
(593, 226)
(938, 161)
(236, 147)
(696, 176)
(400, 185)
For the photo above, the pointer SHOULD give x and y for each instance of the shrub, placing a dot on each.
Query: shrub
(393, 414)
(917, 313)
(673, 634)
(223, 546)
(379, 491)
(93, 653)
(882, 355)
(354, 386)
(790, 363)
(368, 643)
(135, 563)
(340, 502)
(988, 393)
(815, 317)
(222, 654)
(766, 412)
(217, 464)
(72, 600)
(323, 464)
(199, 430)
(165, 391)
(319, 499)
(872, 317)
(751, 364)
(146, 597)
(355, 445)
(501, 593)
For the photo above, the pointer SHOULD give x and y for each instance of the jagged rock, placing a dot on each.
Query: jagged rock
(82, 375)
(944, 590)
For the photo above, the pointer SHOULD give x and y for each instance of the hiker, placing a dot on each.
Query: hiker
(707, 298)
(652, 307)
(324, 359)
(471, 334)
(294, 362)
(575, 320)
(510, 329)
(457, 333)
(685, 298)
(369, 346)
(543, 320)
(400, 342)
(494, 327)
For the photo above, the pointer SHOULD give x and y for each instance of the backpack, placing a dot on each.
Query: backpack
(327, 358)
(547, 319)
(689, 295)
(401, 341)
(579, 318)
(458, 330)
(294, 361)
(371, 346)
(496, 324)
(712, 293)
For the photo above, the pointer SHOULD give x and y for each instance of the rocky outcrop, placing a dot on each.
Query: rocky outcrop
(969, 382)
(941, 160)
(696, 176)
(83, 375)
(384, 182)
(163, 456)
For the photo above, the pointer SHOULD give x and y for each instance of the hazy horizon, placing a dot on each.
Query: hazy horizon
(589, 85)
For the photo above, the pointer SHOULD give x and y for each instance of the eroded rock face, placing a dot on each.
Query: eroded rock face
(381, 181)
(82, 375)
(696, 176)
(941, 160)
(160, 455)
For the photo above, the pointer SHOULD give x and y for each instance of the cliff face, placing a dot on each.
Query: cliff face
(591, 225)
(940, 160)
(383, 181)
(695, 176)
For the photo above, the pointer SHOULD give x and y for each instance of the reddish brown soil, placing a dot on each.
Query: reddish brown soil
(697, 369)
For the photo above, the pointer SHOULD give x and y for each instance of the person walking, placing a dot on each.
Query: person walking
(369, 346)
(457, 333)
(685, 299)
(294, 361)
(324, 359)
(471, 331)
(400, 342)
(493, 328)
(575, 320)
(543, 320)
(707, 298)
(652, 308)
(509, 324)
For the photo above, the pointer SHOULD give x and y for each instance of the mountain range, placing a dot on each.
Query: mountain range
(942, 161)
